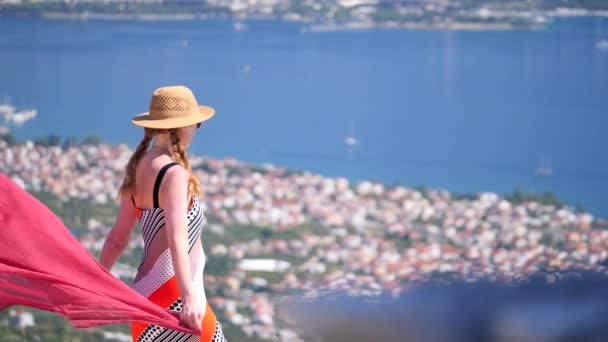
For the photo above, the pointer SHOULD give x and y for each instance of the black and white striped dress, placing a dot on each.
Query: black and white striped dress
(155, 278)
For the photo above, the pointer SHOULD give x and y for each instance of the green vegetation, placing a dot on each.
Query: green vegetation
(240, 233)
(402, 243)
(118, 7)
(588, 4)
(75, 214)
(422, 189)
(219, 265)
(48, 140)
(270, 277)
(204, 166)
(91, 140)
(387, 12)
(547, 198)
(466, 196)
(49, 327)
(544, 4)
(54, 140)
(234, 333)
(9, 138)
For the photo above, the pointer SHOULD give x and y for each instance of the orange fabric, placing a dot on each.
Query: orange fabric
(136, 329)
(208, 325)
(166, 295)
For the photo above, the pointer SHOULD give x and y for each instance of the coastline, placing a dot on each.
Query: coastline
(232, 164)
(121, 16)
(506, 22)
(443, 26)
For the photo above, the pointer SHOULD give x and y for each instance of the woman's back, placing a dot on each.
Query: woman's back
(155, 278)
(146, 173)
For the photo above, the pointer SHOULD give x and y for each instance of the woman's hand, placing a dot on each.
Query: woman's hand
(191, 315)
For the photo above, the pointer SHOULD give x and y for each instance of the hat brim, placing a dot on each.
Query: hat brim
(144, 119)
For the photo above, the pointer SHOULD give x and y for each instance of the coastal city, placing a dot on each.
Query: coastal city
(323, 15)
(274, 233)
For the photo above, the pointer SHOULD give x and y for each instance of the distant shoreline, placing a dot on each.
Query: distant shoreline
(504, 24)
(56, 141)
(312, 27)
(448, 26)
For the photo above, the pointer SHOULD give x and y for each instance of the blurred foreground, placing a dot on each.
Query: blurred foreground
(566, 306)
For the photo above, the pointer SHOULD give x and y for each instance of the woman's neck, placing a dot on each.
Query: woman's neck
(162, 141)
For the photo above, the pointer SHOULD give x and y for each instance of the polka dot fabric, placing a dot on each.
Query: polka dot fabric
(219, 334)
(156, 279)
(160, 273)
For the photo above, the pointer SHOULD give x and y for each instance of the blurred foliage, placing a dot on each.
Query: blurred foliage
(50, 327)
(92, 140)
(76, 214)
(48, 140)
(547, 198)
(588, 4)
(9, 138)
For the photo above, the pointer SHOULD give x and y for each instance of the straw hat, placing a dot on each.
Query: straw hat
(173, 107)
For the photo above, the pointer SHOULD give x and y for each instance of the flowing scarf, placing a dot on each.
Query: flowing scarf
(43, 266)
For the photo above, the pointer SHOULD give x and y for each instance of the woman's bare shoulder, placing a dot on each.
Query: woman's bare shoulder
(174, 189)
(176, 176)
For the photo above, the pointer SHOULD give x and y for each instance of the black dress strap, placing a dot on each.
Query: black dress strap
(159, 179)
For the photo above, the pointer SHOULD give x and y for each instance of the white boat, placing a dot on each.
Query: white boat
(239, 26)
(544, 172)
(351, 141)
(246, 69)
(602, 45)
(540, 19)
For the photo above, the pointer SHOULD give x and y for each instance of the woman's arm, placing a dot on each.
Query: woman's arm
(173, 201)
(173, 195)
(118, 238)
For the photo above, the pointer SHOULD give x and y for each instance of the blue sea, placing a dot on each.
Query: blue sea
(460, 111)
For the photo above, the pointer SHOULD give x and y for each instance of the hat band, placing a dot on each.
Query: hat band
(156, 115)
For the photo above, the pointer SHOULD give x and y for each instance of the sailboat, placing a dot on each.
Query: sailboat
(351, 141)
(544, 170)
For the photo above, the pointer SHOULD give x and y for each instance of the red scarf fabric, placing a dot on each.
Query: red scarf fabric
(43, 266)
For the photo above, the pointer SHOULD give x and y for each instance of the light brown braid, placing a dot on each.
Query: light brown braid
(128, 184)
(181, 157)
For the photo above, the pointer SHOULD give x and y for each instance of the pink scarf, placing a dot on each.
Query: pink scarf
(43, 266)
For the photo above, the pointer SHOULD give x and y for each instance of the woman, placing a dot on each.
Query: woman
(161, 191)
